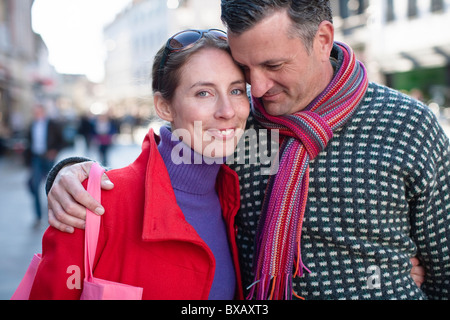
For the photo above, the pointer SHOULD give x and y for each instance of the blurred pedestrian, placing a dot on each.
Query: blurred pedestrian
(86, 130)
(45, 141)
(104, 130)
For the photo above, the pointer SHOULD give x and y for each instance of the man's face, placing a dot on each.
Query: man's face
(278, 66)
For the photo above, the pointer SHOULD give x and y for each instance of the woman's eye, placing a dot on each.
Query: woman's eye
(203, 94)
(238, 91)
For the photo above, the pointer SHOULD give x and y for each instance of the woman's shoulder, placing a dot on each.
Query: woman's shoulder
(126, 180)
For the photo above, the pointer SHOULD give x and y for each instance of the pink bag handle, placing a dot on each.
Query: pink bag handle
(92, 220)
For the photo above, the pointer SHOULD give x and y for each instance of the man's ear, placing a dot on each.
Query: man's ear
(162, 107)
(325, 39)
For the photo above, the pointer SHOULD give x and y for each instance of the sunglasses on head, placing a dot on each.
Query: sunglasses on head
(185, 40)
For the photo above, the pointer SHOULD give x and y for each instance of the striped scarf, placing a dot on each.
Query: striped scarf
(305, 135)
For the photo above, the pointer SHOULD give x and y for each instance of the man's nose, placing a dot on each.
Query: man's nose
(259, 82)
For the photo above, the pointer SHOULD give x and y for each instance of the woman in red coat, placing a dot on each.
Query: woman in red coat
(170, 223)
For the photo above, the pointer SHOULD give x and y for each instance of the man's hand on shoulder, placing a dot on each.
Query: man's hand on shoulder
(68, 199)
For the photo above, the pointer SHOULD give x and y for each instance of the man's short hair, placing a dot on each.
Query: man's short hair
(306, 15)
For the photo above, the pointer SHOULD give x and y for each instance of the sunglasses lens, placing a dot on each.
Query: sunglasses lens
(184, 39)
(219, 34)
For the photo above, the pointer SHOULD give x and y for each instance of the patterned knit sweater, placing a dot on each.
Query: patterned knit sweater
(379, 195)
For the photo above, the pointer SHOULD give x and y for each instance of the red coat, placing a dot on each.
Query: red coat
(144, 238)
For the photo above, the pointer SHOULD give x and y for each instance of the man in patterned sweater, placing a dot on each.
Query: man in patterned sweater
(378, 195)
(378, 191)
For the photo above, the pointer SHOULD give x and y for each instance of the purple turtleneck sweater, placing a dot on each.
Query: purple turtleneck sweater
(194, 186)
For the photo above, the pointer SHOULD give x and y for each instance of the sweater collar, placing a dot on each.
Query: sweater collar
(188, 170)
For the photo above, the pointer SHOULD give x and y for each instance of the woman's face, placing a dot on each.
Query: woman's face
(210, 106)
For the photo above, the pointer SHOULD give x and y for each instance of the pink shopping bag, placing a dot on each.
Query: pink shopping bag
(93, 288)
(23, 290)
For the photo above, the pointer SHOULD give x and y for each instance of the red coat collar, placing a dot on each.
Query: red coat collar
(163, 219)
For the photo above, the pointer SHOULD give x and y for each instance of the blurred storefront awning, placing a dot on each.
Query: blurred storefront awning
(433, 57)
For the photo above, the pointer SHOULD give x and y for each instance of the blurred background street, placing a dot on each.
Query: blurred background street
(87, 63)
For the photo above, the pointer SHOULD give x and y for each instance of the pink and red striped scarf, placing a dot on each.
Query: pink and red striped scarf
(306, 134)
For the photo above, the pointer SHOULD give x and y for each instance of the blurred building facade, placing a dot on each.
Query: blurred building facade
(198, 14)
(405, 44)
(17, 55)
(131, 40)
(27, 78)
(25, 73)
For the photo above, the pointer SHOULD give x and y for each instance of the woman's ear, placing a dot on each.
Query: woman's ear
(162, 107)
